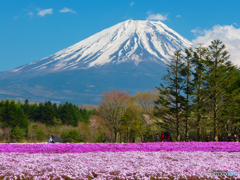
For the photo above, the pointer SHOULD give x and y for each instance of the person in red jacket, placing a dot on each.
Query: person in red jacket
(168, 138)
(162, 137)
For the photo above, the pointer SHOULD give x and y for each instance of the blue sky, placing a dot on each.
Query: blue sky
(33, 29)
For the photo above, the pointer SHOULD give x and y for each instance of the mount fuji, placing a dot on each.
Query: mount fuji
(131, 56)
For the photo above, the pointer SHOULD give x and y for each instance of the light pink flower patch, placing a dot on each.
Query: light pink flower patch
(100, 165)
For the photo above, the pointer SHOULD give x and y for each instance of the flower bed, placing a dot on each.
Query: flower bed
(100, 165)
(119, 161)
(121, 147)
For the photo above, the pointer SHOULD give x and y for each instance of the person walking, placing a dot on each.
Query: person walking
(235, 139)
(156, 138)
(223, 139)
(162, 137)
(229, 139)
(208, 139)
(171, 138)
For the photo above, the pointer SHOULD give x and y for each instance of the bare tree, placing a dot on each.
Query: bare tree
(112, 108)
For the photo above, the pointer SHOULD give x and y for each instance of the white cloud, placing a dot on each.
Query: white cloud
(16, 17)
(65, 10)
(30, 14)
(197, 31)
(157, 16)
(45, 11)
(178, 16)
(132, 3)
(229, 35)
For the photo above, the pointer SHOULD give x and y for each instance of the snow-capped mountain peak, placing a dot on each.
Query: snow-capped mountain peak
(127, 41)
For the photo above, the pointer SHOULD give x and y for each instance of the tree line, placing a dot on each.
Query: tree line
(201, 93)
(17, 116)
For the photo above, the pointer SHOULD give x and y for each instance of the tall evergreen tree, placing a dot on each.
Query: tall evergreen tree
(170, 102)
(26, 108)
(219, 78)
(187, 89)
(200, 68)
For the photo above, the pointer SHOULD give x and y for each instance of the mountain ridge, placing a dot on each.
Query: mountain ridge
(131, 55)
(126, 41)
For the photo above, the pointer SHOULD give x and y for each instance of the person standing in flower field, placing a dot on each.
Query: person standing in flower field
(223, 139)
(229, 139)
(162, 137)
(156, 138)
(208, 139)
(235, 139)
(168, 138)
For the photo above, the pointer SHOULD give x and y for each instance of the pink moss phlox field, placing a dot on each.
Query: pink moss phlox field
(121, 147)
(122, 165)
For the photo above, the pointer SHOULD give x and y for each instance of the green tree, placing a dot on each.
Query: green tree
(231, 115)
(26, 108)
(187, 89)
(130, 125)
(22, 120)
(17, 134)
(40, 135)
(200, 67)
(57, 121)
(13, 115)
(33, 112)
(71, 136)
(219, 77)
(68, 114)
(170, 102)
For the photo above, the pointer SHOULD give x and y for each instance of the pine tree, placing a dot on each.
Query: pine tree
(200, 68)
(219, 78)
(187, 89)
(170, 102)
(26, 108)
(33, 112)
(230, 120)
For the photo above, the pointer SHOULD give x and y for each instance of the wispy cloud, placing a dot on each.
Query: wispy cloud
(15, 17)
(229, 35)
(132, 3)
(178, 16)
(157, 16)
(45, 11)
(65, 10)
(235, 24)
(197, 31)
(30, 14)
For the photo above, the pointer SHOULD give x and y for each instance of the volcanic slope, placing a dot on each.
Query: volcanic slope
(131, 55)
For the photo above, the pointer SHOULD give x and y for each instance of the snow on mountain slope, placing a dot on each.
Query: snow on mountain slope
(130, 40)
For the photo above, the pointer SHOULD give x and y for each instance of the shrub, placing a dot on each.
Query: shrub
(40, 134)
(71, 136)
(17, 134)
